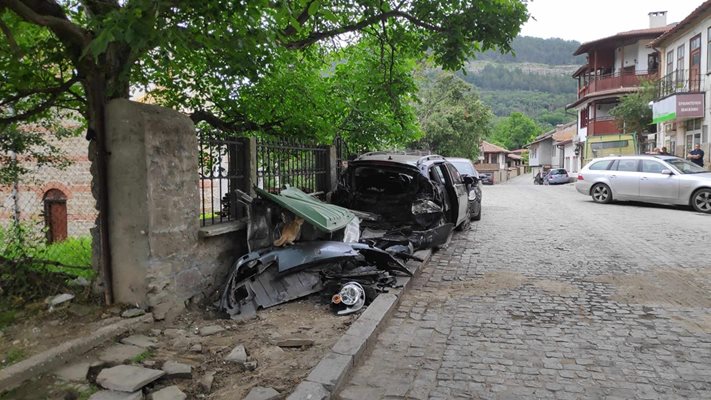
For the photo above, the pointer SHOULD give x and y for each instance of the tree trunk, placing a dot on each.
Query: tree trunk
(95, 88)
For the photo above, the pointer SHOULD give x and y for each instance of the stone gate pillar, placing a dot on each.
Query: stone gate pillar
(153, 204)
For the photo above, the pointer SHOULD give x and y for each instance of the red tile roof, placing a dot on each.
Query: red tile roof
(610, 40)
(697, 13)
(487, 147)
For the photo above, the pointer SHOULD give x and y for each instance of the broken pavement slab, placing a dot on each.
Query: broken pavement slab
(76, 372)
(144, 341)
(237, 355)
(175, 369)
(211, 330)
(112, 395)
(60, 299)
(14, 375)
(120, 353)
(169, 393)
(206, 381)
(127, 378)
(262, 393)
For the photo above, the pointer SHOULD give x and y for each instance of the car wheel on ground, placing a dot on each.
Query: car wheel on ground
(601, 193)
(477, 217)
(701, 200)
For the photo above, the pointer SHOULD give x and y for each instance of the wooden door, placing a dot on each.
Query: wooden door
(55, 215)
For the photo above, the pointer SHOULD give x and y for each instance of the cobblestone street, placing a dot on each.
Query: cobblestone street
(553, 296)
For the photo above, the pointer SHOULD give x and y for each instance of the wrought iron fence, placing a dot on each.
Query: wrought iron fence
(292, 162)
(223, 167)
(225, 164)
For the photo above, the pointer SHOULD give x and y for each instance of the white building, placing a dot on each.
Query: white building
(681, 110)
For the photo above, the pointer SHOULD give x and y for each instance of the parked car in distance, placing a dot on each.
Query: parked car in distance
(647, 178)
(405, 190)
(487, 178)
(556, 176)
(466, 169)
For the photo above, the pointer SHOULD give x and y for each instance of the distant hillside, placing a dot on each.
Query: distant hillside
(537, 81)
(536, 50)
(498, 76)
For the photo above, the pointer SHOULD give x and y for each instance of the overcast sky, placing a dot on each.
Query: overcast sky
(590, 20)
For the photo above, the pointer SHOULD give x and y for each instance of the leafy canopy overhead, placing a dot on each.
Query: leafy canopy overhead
(282, 67)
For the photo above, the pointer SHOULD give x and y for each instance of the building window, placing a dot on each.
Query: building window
(584, 114)
(708, 50)
(55, 215)
(670, 62)
(680, 64)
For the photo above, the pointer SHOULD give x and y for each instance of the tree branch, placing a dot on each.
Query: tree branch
(301, 19)
(54, 92)
(240, 125)
(51, 15)
(48, 90)
(11, 39)
(317, 36)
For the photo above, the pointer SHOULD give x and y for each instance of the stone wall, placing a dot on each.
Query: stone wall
(158, 258)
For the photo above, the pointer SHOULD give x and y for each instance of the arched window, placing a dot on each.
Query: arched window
(55, 215)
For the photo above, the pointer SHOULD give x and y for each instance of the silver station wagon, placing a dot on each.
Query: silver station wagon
(647, 178)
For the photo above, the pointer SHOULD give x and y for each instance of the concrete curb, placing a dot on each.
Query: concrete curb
(14, 375)
(326, 379)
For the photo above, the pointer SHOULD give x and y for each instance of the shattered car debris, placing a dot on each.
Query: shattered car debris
(351, 297)
(268, 277)
(420, 192)
(300, 245)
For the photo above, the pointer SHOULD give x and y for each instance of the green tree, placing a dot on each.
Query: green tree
(452, 117)
(515, 131)
(203, 55)
(633, 114)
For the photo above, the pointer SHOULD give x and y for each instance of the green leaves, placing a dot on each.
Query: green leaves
(452, 117)
(303, 67)
(515, 131)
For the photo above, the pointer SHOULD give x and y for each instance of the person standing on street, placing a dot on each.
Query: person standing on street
(697, 155)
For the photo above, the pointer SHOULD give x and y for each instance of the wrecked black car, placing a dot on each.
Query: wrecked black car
(407, 191)
(300, 245)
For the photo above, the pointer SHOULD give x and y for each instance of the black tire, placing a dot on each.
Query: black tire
(478, 216)
(701, 200)
(601, 193)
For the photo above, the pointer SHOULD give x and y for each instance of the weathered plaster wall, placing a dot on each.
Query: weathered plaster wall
(158, 259)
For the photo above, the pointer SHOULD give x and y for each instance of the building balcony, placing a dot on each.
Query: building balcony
(602, 126)
(679, 81)
(618, 80)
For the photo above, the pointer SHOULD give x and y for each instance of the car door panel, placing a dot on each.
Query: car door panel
(460, 196)
(624, 181)
(655, 186)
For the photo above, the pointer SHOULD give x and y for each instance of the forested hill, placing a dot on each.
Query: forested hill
(537, 81)
(537, 50)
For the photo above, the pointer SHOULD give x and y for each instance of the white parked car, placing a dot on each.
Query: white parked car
(647, 178)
